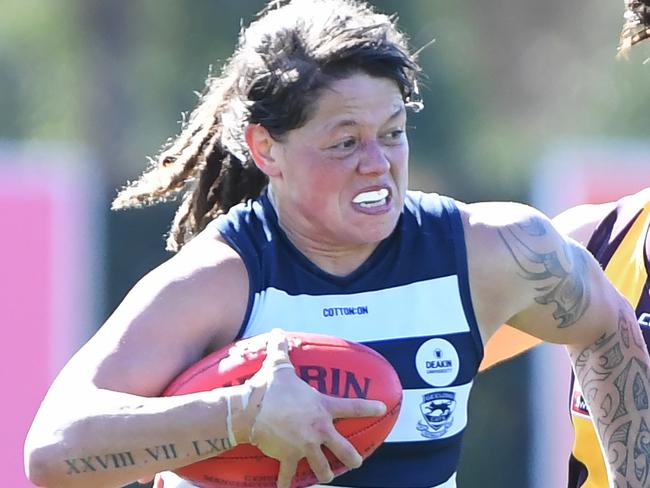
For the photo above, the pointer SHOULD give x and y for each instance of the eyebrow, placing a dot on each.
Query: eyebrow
(351, 122)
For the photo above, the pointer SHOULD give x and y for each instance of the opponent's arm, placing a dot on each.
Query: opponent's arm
(549, 286)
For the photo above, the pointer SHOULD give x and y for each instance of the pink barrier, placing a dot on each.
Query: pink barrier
(45, 290)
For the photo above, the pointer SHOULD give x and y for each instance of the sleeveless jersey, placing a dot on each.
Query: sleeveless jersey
(409, 301)
(621, 245)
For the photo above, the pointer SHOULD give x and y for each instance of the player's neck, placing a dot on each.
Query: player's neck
(334, 257)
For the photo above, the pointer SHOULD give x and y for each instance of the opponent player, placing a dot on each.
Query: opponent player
(306, 126)
(637, 24)
(618, 235)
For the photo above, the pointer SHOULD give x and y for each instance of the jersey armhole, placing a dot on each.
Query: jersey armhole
(251, 271)
(462, 272)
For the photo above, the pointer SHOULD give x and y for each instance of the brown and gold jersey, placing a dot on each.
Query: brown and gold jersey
(621, 245)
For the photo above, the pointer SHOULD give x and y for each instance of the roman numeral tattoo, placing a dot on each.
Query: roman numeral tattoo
(153, 454)
(104, 462)
(166, 451)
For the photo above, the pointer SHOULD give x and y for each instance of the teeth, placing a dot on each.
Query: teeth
(371, 198)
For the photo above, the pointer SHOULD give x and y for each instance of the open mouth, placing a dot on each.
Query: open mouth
(373, 198)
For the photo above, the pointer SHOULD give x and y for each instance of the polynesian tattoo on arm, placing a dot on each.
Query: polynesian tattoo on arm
(566, 289)
(620, 414)
(613, 371)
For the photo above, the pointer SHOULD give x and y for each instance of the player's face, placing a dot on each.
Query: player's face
(344, 173)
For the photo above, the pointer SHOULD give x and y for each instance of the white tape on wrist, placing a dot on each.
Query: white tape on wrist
(283, 365)
(245, 396)
(244, 393)
(231, 435)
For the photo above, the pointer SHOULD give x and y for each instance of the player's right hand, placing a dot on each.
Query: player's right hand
(295, 420)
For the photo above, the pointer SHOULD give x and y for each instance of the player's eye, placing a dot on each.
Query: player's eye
(346, 144)
(394, 136)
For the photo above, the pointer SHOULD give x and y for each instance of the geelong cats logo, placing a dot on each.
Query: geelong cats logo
(437, 409)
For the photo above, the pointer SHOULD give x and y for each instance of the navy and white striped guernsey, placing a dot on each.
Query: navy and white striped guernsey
(409, 301)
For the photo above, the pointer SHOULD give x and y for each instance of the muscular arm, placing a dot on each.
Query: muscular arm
(101, 423)
(578, 223)
(613, 375)
(550, 287)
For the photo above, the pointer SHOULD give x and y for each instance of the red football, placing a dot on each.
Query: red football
(331, 365)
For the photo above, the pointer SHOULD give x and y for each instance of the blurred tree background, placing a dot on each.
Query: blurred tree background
(503, 81)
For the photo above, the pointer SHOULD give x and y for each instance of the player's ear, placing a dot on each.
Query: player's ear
(260, 143)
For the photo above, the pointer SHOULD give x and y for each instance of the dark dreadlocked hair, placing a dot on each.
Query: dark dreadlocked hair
(282, 62)
(637, 24)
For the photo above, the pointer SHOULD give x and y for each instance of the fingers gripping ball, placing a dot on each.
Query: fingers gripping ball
(331, 365)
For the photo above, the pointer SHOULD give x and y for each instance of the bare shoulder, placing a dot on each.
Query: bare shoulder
(517, 260)
(206, 277)
(496, 213)
(488, 226)
(492, 228)
(526, 273)
(580, 222)
(188, 305)
(204, 263)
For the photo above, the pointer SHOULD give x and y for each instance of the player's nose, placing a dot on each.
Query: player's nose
(373, 159)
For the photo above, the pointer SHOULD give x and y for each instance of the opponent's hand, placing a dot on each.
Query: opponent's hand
(295, 420)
